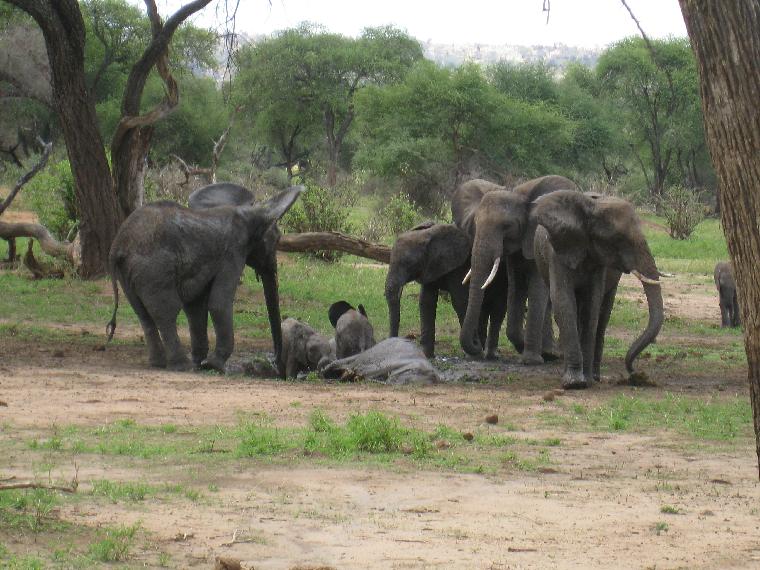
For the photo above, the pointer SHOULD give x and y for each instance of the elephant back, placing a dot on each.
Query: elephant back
(537, 187)
(465, 202)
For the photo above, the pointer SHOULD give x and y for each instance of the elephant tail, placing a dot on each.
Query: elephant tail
(111, 326)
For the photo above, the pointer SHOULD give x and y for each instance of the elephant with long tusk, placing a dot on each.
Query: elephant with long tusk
(582, 245)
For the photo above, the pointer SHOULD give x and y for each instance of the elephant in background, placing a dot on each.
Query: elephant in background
(170, 258)
(437, 256)
(353, 331)
(262, 258)
(726, 285)
(502, 229)
(303, 348)
(582, 244)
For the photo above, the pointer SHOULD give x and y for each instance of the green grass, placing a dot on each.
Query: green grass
(28, 510)
(114, 545)
(713, 419)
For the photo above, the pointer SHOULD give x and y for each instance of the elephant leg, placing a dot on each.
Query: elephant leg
(736, 320)
(220, 308)
(394, 286)
(517, 294)
(538, 298)
(156, 352)
(428, 307)
(566, 314)
(497, 310)
(197, 317)
(725, 315)
(591, 301)
(601, 328)
(164, 308)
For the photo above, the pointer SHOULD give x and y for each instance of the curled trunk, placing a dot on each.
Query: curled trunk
(653, 293)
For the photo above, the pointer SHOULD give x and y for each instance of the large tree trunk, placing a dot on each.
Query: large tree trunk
(725, 37)
(100, 215)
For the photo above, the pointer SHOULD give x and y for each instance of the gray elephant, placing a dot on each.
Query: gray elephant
(393, 360)
(353, 331)
(437, 256)
(170, 258)
(502, 231)
(726, 285)
(582, 244)
(303, 348)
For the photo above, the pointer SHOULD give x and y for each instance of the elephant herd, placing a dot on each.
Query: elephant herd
(526, 253)
(540, 249)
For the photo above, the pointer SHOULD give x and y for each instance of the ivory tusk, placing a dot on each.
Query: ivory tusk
(491, 276)
(467, 277)
(644, 278)
(666, 274)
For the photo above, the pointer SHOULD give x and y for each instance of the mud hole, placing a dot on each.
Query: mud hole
(598, 504)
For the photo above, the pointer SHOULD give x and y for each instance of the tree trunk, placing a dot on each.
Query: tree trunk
(318, 241)
(726, 42)
(100, 215)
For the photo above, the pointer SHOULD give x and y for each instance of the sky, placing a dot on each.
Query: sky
(588, 23)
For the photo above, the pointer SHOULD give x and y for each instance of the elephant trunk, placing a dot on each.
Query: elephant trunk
(484, 259)
(272, 298)
(393, 290)
(647, 274)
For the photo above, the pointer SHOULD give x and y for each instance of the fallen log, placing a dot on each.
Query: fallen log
(336, 241)
(50, 245)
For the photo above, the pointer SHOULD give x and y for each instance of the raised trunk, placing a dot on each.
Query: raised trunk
(727, 47)
(272, 298)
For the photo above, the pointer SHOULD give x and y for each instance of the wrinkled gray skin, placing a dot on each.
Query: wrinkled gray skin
(582, 244)
(353, 331)
(262, 258)
(729, 305)
(393, 360)
(499, 220)
(303, 348)
(437, 256)
(169, 258)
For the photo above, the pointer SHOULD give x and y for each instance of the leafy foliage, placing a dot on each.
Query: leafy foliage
(682, 209)
(50, 195)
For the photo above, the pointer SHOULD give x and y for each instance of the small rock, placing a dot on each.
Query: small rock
(549, 396)
(99, 348)
(3, 404)
(492, 419)
(442, 444)
(58, 354)
(468, 436)
(227, 563)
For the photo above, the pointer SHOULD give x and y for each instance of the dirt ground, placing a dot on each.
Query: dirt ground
(597, 506)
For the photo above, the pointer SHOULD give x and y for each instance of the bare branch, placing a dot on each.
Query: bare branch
(336, 241)
(28, 176)
(64, 250)
(72, 489)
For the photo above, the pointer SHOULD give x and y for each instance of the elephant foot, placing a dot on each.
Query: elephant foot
(492, 355)
(214, 363)
(574, 380)
(551, 356)
(157, 362)
(531, 359)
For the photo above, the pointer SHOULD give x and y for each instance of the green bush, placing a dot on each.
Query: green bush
(682, 209)
(318, 210)
(400, 214)
(50, 195)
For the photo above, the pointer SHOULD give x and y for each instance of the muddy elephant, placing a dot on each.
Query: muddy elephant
(303, 348)
(437, 256)
(503, 232)
(353, 331)
(726, 285)
(393, 360)
(169, 258)
(582, 245)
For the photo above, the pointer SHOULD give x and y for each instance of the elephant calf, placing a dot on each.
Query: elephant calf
(303, 348)
(353, 331)
(729, 306)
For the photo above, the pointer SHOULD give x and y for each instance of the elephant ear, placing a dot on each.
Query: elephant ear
(336, 310)
(564, 214)
(447, 249)
(362, 311)
(275, 208)
(221, 194)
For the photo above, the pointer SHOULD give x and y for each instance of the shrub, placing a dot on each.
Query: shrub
(51, 196)
(318, 210)
(400, 214)
(682, 210)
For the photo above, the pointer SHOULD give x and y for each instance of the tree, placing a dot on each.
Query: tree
(315, 76)
(103, 201)
(725, 37)
(655, 94)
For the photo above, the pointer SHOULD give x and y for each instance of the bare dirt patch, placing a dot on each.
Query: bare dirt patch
(598, 504)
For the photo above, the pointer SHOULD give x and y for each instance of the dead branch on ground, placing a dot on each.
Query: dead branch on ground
(336, 241)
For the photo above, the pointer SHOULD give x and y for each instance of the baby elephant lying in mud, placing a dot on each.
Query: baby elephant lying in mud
(303, 348)
(393, 360)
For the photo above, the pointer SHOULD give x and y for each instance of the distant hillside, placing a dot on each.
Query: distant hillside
(558, 55)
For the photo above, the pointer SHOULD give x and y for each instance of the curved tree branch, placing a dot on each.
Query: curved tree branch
(336, 241)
